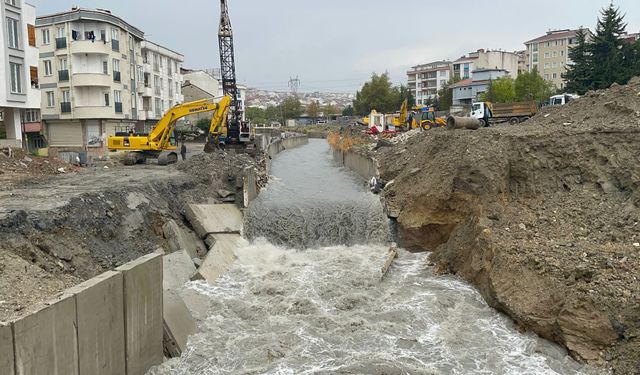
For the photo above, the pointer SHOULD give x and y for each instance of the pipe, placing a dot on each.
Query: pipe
(455, 122)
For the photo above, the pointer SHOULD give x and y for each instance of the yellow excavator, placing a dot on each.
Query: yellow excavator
(160, 142)
(425, 118)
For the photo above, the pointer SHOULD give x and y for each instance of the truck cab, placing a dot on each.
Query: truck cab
(562, 99)
(478, 110)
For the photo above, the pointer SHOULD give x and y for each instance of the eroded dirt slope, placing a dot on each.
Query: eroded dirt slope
(543, 217)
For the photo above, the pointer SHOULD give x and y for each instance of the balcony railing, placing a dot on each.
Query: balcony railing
(63, 75)
(61, 43)
(116, 76)
(157, 90)
(118, 107)
(65, 107)
(115, 45)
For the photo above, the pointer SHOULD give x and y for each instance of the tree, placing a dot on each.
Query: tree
(378, 94)
(445, 95)
(204, 124)
(256, 115)
(607, 50)
(329, 110)
(501, 90)
(348, 111)
(313, 109)
(290, 108)
(531, 86)
(407, 94)
(579, 74)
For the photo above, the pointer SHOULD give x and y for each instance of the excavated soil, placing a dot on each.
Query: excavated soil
(59, 230)
(542, 217)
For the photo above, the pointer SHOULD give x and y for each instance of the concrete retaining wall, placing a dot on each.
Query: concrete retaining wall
(363, 165)
(111, 324)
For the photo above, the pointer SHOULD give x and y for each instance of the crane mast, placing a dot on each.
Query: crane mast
(228, 72)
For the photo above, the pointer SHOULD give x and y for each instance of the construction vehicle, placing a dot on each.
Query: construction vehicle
(400, 118)
(238, 131)
(160, 142)
(514, 113)
(425, 118)
(562, 99)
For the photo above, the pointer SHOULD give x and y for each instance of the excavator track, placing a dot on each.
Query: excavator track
(167, 157)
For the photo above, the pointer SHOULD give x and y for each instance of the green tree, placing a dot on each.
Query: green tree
(348, 111)
(579, 74)
(256, 115)
(407, 94)
(313, 109)
(531, 86)
(378, 94)
(329, 110)
(204, 124)
(501, 90)
(608, 49)
(290, 108)
(273, 113)
(445, 94)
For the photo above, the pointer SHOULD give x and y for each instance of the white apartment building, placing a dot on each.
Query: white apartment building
(427, 79)
(19, 93)
(88, 61)
(464, 67)
(162, 82)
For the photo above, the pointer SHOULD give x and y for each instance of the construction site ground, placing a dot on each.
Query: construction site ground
(542, 217)
(62, 227)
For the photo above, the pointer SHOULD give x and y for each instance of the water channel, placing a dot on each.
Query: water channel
(305, 295)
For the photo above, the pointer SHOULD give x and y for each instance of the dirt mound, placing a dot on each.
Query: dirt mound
(542, 217)
(16, 164)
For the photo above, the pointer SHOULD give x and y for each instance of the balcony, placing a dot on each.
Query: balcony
(61, 43)
(90, 112)
(86, 46)
(63, 75)
(118, 107)
(91, 79)
(157, 91)
(65, 107)
(116, 76)
(115, 45)
(147, 92)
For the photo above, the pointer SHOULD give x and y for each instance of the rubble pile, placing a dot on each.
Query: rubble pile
(16, 162)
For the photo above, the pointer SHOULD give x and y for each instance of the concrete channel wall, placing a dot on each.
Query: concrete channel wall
(363, 165)
(111, 325)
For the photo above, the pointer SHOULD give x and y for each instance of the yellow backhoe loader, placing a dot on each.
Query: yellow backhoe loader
(160, 142)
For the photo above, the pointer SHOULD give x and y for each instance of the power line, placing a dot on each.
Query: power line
(294, 83)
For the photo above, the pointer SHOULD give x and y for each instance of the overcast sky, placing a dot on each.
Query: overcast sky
(335, 45)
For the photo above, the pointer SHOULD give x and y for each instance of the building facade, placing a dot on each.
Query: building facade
(471, 90)
(550, 54)
(19, 92)
(199, 85)
(161, 83)
(88, 62)
(427, 79)
(464, 67)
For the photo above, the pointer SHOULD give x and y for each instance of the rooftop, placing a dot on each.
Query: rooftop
(554, 35)
(77, 14)
(470, 82)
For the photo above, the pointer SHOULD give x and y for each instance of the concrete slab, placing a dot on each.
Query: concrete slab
(100, 314)
(6, 350)
(178, 323)
(219, 258)
(180, 239)
(142, 280)
(214, 218)
(249, 185)
(46, 340)
(177, 269)
(198, 304)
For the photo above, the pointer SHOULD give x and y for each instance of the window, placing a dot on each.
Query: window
(46, 37)
(65, 105)
(105, 67)
(31, 32)
(115, 34)
(170, 85)
(47, 68)
(546, 77)
(66, 96)
(130, 43)
(31, 115)
(133, 102)
(555, 53)
(561, 42)
(158, 107)
(546, 65)
(535, 57)
(561, 53)
(106, 99)
(51, 99)
(16, 78)
(534, 47)
(61, 32)
(177, 89)
(12, 2)
(554, 65)
(161, 60)
(12, 32)
(103, 35)
(555, 75)
(548, 44)
(116, 96)
(116, 65)
(140, 74)
(547, 55)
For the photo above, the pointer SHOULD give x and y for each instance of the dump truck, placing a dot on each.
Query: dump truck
(513, 113)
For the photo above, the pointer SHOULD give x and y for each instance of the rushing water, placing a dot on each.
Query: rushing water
(325, 310)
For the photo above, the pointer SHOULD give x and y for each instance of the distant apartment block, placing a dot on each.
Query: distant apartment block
(207, 84)
(464, 67)
(19, 94)
(97, 76)
(550, 54)
(471, 90)
(161, 86)
(427, 79)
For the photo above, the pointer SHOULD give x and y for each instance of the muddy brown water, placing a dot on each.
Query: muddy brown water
(311, 302)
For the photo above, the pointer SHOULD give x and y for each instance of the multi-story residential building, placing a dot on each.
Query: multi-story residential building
(88, 63)
(464, 67)
(550, 54)
(19, 93)
(198, 85)
(161, 86)
(427, 79)
(470, 90)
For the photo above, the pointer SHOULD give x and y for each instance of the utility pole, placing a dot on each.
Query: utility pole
(294, 83)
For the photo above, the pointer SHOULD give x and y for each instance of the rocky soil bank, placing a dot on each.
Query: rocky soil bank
(542, 217)
(59, 230)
